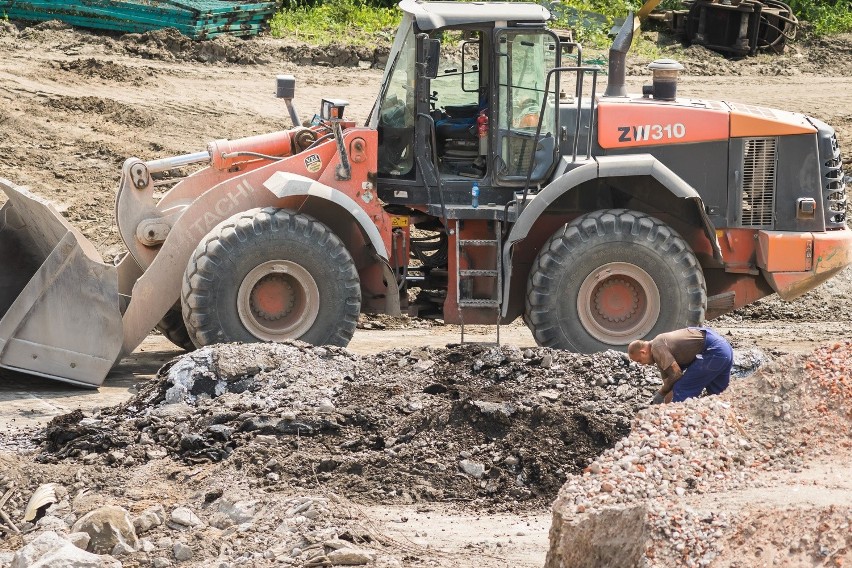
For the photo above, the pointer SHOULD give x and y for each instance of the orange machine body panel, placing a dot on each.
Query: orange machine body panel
(637, 122)
(632, 123)
(753, 121)
(829, 253)
(782, 251)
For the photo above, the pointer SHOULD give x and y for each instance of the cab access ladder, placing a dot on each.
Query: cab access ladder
(466, 278)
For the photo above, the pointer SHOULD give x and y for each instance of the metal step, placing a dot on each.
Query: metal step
(478, 303)
(492, 273)
(477, 243)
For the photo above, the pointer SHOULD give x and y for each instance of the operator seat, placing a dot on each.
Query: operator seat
(459, 124)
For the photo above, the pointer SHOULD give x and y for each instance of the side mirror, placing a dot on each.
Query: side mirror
(428, 55)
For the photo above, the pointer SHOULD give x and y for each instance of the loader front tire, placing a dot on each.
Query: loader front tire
(271, 275)
(173, 329)
(610, 277)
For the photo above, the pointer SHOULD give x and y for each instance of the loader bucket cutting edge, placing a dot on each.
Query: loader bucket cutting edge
(59, 303)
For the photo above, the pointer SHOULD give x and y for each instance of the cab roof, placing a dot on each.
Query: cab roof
(433, 15)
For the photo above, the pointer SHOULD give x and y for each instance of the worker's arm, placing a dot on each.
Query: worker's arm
(670, 377)
(670, 371)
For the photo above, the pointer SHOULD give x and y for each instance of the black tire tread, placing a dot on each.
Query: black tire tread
(557, 252)
(213, 251)
(173, 329)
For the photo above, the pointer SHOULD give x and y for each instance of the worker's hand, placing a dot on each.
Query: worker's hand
(659, 398)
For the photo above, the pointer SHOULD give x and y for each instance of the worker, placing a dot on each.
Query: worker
(690, 360)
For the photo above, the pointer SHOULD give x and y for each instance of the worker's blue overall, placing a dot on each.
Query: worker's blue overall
(710, 370)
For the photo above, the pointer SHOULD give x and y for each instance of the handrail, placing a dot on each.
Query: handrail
(436, 166)
(581, 72)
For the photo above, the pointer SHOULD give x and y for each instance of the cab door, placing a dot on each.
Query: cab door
(524, 59)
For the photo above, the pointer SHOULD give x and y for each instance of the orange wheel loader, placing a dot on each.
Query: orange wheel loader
(492, 181)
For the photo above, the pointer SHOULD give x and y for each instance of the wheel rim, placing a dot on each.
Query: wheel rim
(618, 302)
(278, 300)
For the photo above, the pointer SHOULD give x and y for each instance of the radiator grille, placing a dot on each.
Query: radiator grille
(834, 188)
(758, 206)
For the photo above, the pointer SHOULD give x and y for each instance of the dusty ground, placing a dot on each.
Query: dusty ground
(75, 105)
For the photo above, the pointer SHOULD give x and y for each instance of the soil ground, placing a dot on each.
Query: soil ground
(75, 105)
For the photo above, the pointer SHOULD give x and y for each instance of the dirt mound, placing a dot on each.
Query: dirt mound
(169, 44)
(8, 28)
(384, 321)
(109, 109)
(495, 425)
(104, 69)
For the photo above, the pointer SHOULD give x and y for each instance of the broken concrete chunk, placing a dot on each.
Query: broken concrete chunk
(472, 468)
(350, 557)
(107, 527)
(49, 550)
(185, 517)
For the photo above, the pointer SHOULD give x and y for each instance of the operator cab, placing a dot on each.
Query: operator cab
(472, 114)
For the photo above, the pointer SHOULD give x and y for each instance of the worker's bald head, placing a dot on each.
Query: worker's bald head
(640, 351)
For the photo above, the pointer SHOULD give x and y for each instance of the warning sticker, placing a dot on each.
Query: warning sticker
(313, 163)
(399, 222)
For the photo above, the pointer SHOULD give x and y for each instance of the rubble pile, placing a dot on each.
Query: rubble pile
(634, 504)
(264, 453)
(497, 425)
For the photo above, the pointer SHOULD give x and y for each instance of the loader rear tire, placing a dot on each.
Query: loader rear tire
(610, 277)
(271, 275)
(173, 329)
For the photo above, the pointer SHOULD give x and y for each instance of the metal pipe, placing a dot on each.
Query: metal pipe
(165, 164)
(616, 87)
(294, 116)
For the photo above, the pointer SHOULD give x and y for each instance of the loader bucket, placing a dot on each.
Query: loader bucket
(59, 303)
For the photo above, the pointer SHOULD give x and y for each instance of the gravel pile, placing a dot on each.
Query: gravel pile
(785, 415)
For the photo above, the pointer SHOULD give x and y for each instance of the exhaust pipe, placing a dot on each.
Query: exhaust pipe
(617, 58)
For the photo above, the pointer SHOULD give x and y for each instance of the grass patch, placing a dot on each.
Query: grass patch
(826, 16)
(330, 23)
(374, 22)
(336, 21)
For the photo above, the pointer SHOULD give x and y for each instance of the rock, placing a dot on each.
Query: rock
(220, 520)
(49, 550)
(424, 365)
(122, 549)
(614, 537)
(181, 551)
(161, 562)
(350, 557)
(184, 517)
(150, 518)
(79, 539)
(472, 468)
(239, 511)
(546, 361)
(107, 527)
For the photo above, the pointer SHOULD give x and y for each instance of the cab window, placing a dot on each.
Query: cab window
(397, 114)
